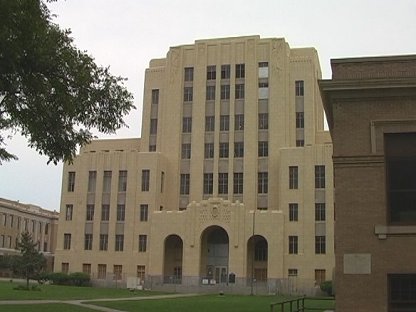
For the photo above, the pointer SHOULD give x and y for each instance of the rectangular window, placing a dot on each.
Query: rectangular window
(184, 183)
(263, 64)
(225, 92)
(211, 72)
(300, 120)
(299, 87)
(293, 177)
(293, 212)
(320, 212)
(103, 241)
(141, 273)
(238, 183)
(224, 122)
(293, 245)
(67, 241)
(209, 123)
(319, 177)
(155, 96)
(239, 122)
(88, 242)
(145, 180)
(144, 212)
(86, 268)
(92, 181)
(187, 124)
(320, 245)
(225, 71)
(90, 213)
(263, 121)
(153, 126)
(71, 181)
(142, 243)
(119, 246)
(208, 183)
(210, 94)
(239, 91)
(238, 149)
(186, 151)
(107, 182)
(209, 150)
(68, 212)
(121, 212)
(152, 147)
(300, 143)
(188, 94)
(240, 71)
(263, 182)
(223, 150)
(222, 183)
(117, 272)
(65, 267)
(401, 288)
(263, 150)
(162, 181)
(105, 212)
(320, 277)
(189, 74)
(102, 271)
(122, 181)
(292, 272)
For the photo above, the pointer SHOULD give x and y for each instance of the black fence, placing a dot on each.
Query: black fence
(304, 304)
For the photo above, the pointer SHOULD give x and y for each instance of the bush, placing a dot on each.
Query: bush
(59, 278)
(327, 287)
(79, 279)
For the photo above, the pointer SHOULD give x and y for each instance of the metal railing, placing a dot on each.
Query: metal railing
(298, 305)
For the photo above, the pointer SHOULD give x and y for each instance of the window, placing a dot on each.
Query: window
(320, 213)
(263, 182)
(86, 268)
(188, 94)
(319, 276)
(292, 272)
(184, 184)
(92, 181)
(225, 92)
(189, 74)
(263, 149)
(240, 71)
(141, 273)
(71, 181)
(209, 150)
(263, 64)
(103, 241)
(102, 271)
(400, 159)
(152, 147)
(293, 245)
(293, 212)
(224, 122)
(142, 243)
(144, 212)
(260, 251)
(211, 72)
(263, 84)
(187, 125)
(300, 143)
(186, 151)
(225, 71)
(145, 180)
(299, 88)
(238, 183)
(155, 96)
(107, 182)
(319, 176)
(121, 212)
(119, 242)
(88, 242)
(209, 123)
(67, 241)
(210, 95)
(68, 212)
(105, 212)
(208, 183)
(300, 122)
(238, 149)
(223, 150)
(293, 177)
(401, 288)
(263, 121)
(90, 213)
(239, 91)
(117, 271)
(222, 183)
(122, 181)
(320, 245)
(153, 126)
(65, 267)
(239, 122)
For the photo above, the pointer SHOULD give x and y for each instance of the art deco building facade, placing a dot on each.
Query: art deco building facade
(230, 183)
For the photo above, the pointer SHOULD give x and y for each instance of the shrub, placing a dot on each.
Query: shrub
(59, 278)
(327, 287)
(79, 279)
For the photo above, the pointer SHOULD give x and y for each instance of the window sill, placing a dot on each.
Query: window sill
(382, 231)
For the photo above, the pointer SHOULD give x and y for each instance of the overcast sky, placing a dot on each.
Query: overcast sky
(126, 34)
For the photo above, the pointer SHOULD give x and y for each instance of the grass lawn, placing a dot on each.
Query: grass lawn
(53, 307)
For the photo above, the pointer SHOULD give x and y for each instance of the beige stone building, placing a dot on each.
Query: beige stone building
(230, 185)
(16, 218)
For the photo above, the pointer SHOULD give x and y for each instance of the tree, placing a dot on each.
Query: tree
(51, 92)
(31, 262)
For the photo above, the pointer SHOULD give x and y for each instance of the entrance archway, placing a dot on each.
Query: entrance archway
(257, 259)
(214, 255)
(172, 264)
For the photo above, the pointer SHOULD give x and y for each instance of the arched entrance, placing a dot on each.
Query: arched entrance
(257, 259)
(214, 255)
(172, 264)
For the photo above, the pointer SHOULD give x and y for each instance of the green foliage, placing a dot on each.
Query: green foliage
(327, 287)
(75, 279)
(25, 287)
(51, 92)
(59, 278)
(79, 279)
